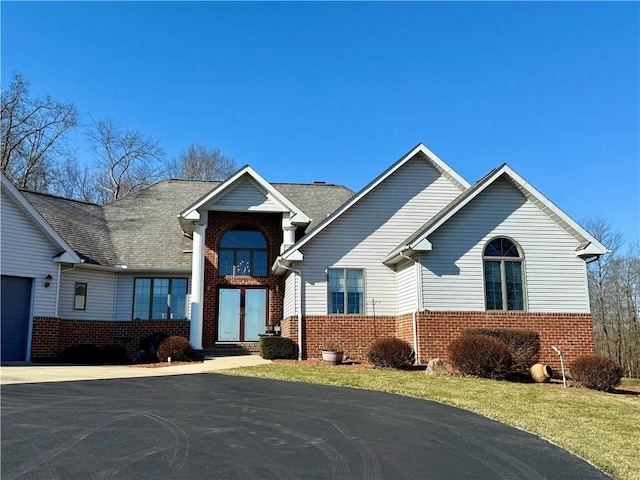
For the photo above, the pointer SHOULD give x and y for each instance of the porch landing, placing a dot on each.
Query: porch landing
(229, 349)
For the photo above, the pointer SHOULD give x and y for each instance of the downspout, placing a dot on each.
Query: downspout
(414, 316)
(58, 290)
(298, 305)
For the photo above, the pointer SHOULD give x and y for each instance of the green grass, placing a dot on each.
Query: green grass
(602, 428)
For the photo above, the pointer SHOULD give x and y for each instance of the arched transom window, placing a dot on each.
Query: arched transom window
(243, 252)
(503, 275)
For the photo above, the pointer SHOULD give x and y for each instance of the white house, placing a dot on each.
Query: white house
(419, 254)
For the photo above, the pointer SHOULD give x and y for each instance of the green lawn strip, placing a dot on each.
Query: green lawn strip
(599, 427)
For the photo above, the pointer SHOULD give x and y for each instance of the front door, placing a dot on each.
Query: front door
(242, 314)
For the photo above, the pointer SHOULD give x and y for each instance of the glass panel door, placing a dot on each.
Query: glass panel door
(229, 315)
(255, 313)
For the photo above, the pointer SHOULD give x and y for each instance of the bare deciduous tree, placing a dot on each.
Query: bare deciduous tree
(614, 286)
(126, 160)
(201, 163)
(33, 129)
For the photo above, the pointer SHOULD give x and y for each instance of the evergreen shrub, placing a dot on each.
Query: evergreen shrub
(273, 347)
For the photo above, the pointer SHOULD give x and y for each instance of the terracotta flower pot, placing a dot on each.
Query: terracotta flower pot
(541, 373)
(332, 357)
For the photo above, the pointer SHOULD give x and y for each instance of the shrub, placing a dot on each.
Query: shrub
(480, 355)
(150, 345)
(178, 348)
(274, 348)
(391, 352)
(597, 373)
(524, 345)
(84, 354)
(114, 355)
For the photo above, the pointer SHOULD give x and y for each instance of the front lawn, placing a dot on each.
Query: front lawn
(602, 428)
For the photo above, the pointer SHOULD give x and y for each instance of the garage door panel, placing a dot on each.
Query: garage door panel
(16, 306)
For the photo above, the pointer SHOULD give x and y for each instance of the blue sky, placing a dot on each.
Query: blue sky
(337, 91)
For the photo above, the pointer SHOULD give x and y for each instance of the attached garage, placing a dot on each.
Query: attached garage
(16, 317)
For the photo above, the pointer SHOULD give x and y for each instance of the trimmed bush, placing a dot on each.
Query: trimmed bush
(178, 348)
(524, 345)
(480, 355)
(150, 345)
(83, 354)
(274, 348)
(597, 373)
(391, 352)
(115, 355)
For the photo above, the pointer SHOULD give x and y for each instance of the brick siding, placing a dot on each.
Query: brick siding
(354, 334)
(270, 225)
(50, 336)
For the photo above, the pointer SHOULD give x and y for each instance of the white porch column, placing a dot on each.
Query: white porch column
(289, 232)
(197, 286)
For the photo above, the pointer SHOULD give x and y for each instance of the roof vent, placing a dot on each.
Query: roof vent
(318, 182)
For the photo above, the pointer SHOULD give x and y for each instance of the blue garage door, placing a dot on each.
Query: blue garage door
(16, 303)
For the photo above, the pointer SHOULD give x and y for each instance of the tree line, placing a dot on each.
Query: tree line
(614, 289)
(36, 153)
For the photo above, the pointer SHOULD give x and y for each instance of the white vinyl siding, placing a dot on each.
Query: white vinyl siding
(124, 292)
(407, 292)
(101, 289)
(453, 271)
(28, 252)
(291, 287)
(362, 236)
(246, 196)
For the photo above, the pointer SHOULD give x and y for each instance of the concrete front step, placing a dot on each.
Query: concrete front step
(233, 349)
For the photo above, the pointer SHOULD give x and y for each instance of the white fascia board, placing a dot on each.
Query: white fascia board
(420, 148)
(594, 247)
(423, 246)
(228, 185)
(441, 165)
(69, 253)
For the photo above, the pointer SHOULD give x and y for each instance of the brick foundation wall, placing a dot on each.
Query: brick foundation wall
(51, 335)
(354, 334)
(571, 332)
(270, 225)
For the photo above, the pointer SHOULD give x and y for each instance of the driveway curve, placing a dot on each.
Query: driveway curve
(214, 426)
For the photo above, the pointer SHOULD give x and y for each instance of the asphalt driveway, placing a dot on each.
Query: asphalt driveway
(209, 426)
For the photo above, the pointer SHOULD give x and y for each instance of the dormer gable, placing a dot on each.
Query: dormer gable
(244, 191)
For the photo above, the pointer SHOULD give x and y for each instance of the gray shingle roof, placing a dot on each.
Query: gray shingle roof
(82, 225)
(142, 230)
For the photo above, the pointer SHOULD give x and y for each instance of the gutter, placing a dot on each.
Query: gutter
(298, 304)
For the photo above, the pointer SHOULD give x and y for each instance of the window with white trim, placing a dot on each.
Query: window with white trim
(243, 252)
(345, 291)
(80, 296)
(160, 298)
(503, 275)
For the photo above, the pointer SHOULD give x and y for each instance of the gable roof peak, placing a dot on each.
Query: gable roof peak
(192, 212)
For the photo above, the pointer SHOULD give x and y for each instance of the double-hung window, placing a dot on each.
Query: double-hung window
(503, 275)
(160, 298)
(345, 291)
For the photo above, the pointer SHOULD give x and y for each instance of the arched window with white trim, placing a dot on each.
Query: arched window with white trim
(503, 275)
(243, 252)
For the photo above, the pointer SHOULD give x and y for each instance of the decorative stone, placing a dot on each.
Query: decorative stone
(435, 367)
